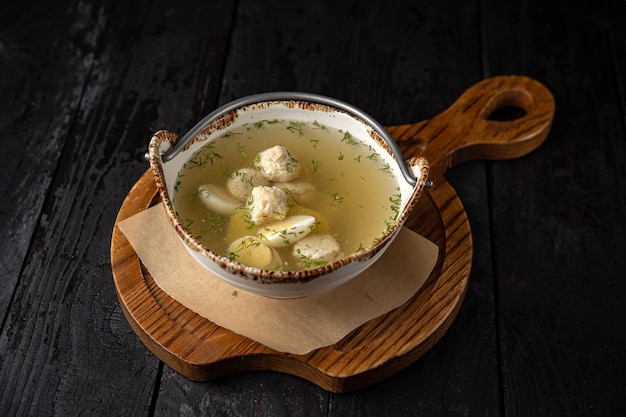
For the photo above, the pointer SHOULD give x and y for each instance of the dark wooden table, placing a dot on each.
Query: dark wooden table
(83, 86)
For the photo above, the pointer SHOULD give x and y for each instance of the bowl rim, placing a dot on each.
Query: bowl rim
(286, 96)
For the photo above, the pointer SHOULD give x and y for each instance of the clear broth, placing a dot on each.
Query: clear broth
(357, 196)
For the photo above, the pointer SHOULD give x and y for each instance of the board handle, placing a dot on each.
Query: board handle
(466, 131)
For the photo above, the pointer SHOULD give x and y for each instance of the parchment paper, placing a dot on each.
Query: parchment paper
(297, 325)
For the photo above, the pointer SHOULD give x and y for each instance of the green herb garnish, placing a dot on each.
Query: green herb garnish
(204, 156)
(347, 138)
(319, 126)
(296, 127)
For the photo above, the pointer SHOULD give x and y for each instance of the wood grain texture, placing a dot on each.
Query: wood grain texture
(77, 161)
(83, 85)
(200, 350)
(557, 207)
(35, 117)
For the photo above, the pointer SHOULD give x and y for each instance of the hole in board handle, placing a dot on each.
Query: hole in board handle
(508, 105)
(506, 114)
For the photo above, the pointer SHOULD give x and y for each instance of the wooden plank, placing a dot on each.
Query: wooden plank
(72, 352)
(557, 237)
(39, 48)
(617, 41)
(38, 104)
(84, 85)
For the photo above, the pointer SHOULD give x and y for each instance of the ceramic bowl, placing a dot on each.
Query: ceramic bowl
(168, 153)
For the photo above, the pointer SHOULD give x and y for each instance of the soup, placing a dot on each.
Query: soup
(286, 195)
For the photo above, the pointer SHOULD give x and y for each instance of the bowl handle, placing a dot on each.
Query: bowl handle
(160, 143)
(420, 169)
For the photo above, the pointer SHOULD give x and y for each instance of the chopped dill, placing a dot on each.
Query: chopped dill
(230, 134)
(336, 197)
(308, 263)
(247, 217)
(214, 221)
(204, 156)
(318, 125)
(260, 123)
(241, 149)
(229, 172)
(347, 138)
(396, 201)
(242, 245)
(296, 127)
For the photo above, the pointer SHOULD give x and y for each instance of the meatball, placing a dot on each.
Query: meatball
(242, 181)
(316, 250)
(277, 164)
(267, 203)
(301, 191)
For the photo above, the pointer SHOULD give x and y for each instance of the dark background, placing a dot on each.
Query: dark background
(83, 85)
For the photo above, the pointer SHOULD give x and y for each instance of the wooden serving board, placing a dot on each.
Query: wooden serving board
(201, 350)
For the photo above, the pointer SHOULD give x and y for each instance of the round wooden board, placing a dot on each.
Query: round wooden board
(201, 350)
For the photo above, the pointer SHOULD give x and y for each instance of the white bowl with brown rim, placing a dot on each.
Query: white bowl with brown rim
(169, 156)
